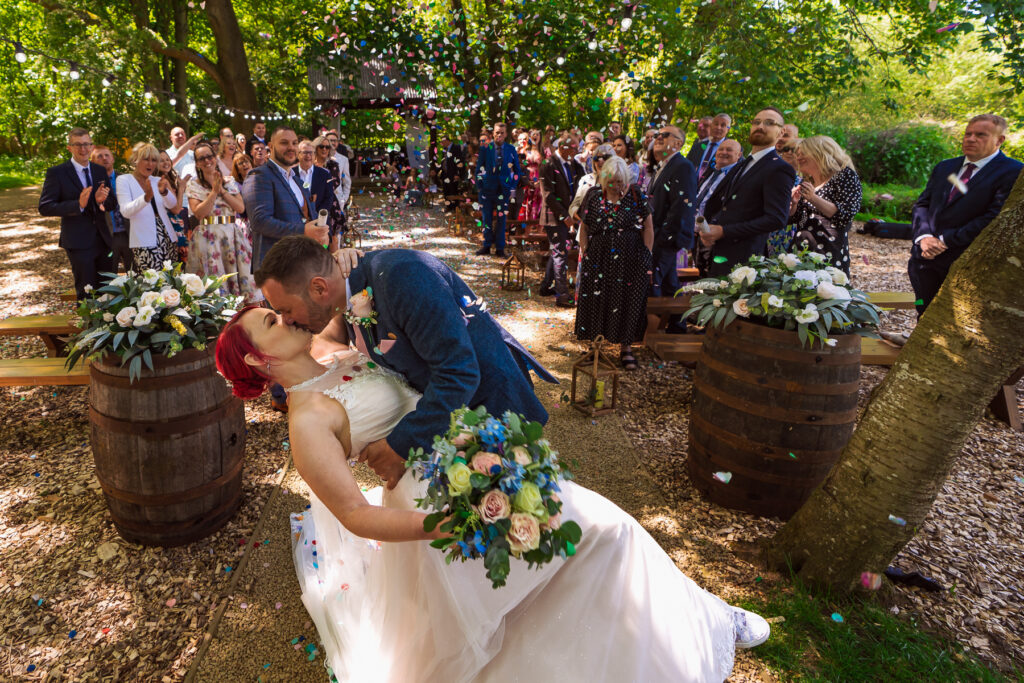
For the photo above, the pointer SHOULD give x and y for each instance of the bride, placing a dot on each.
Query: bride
(386, 605)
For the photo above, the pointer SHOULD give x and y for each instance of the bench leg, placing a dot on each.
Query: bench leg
(55, 347)
(1004, 405)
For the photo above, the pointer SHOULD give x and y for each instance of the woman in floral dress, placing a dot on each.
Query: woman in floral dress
(219, 244)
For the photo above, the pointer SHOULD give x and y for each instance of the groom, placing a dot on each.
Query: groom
(428, 327)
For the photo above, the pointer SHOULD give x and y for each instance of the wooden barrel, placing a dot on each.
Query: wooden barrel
(168, 448)
(772, 414)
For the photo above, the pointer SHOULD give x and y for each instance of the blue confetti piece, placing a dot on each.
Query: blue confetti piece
(837, 617)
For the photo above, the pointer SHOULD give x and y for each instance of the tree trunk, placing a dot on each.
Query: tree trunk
(149, 63)
(180, 65)
(232, 61)
(965, 346)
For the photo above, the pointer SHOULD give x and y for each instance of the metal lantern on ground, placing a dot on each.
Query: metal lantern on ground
(513, 273)
(597, 377)
(351, 238)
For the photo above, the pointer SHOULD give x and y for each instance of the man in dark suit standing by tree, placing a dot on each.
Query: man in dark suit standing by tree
(753, 199)
(559, 177)
(452, 171)
(673, 197)
(949, 215)
(702, 153)
(79, 192)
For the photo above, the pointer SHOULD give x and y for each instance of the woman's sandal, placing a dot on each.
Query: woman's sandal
(627, 360)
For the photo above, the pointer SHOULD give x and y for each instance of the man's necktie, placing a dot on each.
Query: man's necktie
(88, 178)
(964, 177)
(709, 154)
(706, 189)
(357, 337)
(568, 173)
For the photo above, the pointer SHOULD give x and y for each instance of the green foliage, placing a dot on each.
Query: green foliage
(13, 173)
(898, 209)
(870, 644)
(906, 154)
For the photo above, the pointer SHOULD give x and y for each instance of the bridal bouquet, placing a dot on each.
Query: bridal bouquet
(155, 311)
(496, 482)
(799, 291)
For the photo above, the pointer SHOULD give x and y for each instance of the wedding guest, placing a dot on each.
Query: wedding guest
(219, 245)
(181, 153)
(614, 130)
(788, 154)
(79, 192)
(673, 201)
(616, 237)
(704, 127)
(625, 150)
(179, 212)
(258, 154)
(753, 199)
(822, 210)
(559, 178)
(226, 151)
(532, 199)
(116, 223)
(497, 173)
(324, 157)
(240, 167)
(789, 136)
(601, 154)
(240, 143)
(549, 141)
(259, 134)
(453, 172)
(702, 153)
(945, 220)
(344, 189)
(727, 156)
(320, 184)
(151, 235)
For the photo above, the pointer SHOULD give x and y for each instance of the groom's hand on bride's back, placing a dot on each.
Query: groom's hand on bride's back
(388, 464)
(348, 259)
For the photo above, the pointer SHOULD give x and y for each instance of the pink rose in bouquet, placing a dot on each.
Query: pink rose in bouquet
(494, 505)
(484, 462)
(524, 534)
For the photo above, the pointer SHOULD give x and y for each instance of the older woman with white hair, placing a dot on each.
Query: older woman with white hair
(151, 235)
(828, 198)
(601, 154)
(616, 236)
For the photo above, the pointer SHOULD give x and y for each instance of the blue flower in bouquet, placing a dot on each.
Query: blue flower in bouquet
(513, 479)
(475, 544)
(493, 433)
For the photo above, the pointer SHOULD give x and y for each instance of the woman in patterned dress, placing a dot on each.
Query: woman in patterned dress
(219, 244)
(144, 199)
(827, 201)
(616, 236)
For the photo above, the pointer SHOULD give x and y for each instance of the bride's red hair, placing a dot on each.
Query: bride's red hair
(232, 346)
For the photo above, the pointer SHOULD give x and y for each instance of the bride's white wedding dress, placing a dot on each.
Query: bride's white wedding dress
(618, 611)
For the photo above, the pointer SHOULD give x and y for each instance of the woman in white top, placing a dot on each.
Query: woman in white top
(151, 235)
(220, 244)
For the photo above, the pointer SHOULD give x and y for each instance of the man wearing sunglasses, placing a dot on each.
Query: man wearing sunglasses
(673, 193)
(752, 201)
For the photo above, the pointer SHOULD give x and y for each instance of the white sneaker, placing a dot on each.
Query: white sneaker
(751, 629)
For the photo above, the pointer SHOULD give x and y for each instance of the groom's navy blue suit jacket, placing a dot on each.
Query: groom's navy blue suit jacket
(448, 349)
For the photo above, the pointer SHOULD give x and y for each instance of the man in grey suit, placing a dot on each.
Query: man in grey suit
(275, 201)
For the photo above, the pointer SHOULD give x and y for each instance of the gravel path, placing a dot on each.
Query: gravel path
(144, 614)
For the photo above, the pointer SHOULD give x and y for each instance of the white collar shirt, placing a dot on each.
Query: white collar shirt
(756, 157)
(289, 179)
(978, 165)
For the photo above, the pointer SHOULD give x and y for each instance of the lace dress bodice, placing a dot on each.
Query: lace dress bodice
(375, 398)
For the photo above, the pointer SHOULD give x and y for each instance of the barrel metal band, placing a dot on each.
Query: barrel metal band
(185, 424)
(762, 382)
(751, 346)
(164, 499)
(150, 383)
(795, 415)
(200, 522)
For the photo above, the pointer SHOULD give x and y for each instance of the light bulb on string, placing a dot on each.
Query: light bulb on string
(209, 111)
(19, 53)
(173, 101)
(107, 80)
(148, 94)
(73, 73)
(560, 61)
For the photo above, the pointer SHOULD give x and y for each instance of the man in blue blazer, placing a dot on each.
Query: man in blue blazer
(497, 177)
(946, 220)
(752, 201)
(673, 196)
(79, 192)
(275, 201)
(430, 327)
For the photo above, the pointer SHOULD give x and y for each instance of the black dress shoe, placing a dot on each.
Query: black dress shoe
(500, 253)
(483, 251)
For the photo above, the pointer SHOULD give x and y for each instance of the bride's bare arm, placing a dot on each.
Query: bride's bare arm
(321, 461)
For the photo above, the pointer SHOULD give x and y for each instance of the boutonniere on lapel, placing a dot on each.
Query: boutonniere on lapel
(360, 313)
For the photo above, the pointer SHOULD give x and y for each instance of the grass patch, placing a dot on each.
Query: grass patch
(13, 173)
(895, 210)
(870, 644)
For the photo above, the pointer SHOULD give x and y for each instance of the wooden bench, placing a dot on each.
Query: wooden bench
(20, 372)
(69, 295)
(49, 328)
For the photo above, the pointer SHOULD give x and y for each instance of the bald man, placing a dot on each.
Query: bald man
(180, 151)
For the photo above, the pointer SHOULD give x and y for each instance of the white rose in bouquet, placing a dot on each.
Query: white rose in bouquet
(170, 297)
(743, 273)
(145, 316)
(823, 276)
(807, 276)
(717, 303)
(125, 316)
(741, 308)
(150, 277)
(789, 260)
(808, 315)
(838, 276)
(108, 317)
(826, 290)
(841, 293)
(149, 300)
(193, 284)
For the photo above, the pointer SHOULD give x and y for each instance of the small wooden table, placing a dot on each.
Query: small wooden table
(49, 328)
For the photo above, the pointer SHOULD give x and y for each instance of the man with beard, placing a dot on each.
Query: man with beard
(752, 201)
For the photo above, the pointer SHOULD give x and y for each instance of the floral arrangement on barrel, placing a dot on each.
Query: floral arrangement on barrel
(801, 291)
(493, 485)
(162, 311)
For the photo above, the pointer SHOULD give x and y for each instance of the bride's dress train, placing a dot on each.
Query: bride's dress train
(619, 610)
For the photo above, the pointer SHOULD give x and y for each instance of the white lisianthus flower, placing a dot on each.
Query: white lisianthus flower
(743, 273)
(119, 280)
(831, 342)
(807, 276)
(816, 257)
(789, 260)
(170, 297)
(826, 290)
(149, 300)
(838, 276)
(194, 284)
(741, 308)
(168, 265)
(88, 288)
(108, 317)
(150, 277)
(125, 316)
(775, 301)
(145, 316)
(229, 313)
(823, 276)
(717, 303)
(808, 315)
